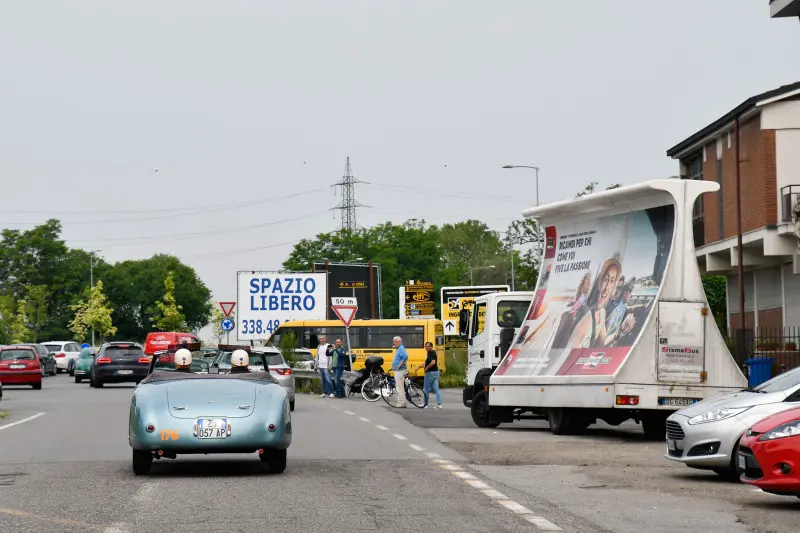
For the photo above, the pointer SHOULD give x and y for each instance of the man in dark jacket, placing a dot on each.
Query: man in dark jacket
(339, 364)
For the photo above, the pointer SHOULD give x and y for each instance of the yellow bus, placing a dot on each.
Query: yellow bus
(371, 337)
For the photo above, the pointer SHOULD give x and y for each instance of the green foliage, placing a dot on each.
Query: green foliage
(715, 287)
(37, 307)
(455, 370)
(287, 347)
(94, 314)
(592, 187)
(168, 315)
(216, 324)
(19, 325)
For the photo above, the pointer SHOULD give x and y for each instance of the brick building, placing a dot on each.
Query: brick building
(769, 171)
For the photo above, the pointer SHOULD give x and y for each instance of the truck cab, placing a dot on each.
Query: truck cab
(490, 328)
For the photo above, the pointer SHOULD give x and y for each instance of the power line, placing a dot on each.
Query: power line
(348, 204)
(450, 194)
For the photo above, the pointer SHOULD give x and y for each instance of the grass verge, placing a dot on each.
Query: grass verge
(3, 414)
(455, 369)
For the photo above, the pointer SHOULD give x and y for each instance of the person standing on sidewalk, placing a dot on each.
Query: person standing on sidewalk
(339, 362)
(399, 367)
(432, 375)
(323, 366)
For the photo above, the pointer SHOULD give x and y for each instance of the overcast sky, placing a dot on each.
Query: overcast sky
(239, 102)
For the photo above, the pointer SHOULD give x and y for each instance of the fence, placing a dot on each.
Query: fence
(779, 344)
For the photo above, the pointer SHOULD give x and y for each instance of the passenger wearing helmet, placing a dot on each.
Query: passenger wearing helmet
(183, 360)
(239, 362)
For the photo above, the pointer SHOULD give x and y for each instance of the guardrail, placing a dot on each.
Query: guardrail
(304, 373)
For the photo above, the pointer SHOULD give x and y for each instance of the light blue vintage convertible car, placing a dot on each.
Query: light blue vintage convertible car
(192, 413)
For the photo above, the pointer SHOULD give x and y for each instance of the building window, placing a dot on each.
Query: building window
(720, 205)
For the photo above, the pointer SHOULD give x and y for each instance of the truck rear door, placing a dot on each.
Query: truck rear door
(681, 342)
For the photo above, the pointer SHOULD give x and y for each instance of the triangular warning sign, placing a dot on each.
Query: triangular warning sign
(227, 307)
(346, 313)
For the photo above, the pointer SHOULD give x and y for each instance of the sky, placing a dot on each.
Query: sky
(213, 130)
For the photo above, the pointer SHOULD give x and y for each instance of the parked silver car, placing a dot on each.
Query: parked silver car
(278, 367)
(706, 434)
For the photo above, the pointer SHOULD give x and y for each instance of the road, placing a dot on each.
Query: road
(355, 466)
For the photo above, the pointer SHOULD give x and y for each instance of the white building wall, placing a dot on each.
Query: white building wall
(791, 288)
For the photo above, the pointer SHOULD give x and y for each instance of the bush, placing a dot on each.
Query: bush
(455, 369)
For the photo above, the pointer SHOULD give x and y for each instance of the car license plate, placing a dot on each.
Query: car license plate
(124, 372)
(677, 402)
(672, 445)
(212, 428)
(742, 462)
(16, 366)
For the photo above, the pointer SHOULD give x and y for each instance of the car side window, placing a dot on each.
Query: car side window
(793, 397)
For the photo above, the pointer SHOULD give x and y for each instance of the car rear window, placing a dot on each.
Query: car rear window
(124, 351)
(10, 355)
(53, 347)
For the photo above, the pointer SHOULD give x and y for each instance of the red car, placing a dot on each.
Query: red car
(20, 365)
(769, 454)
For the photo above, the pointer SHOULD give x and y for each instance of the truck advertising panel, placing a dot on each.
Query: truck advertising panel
(600, 278)
(265, 300)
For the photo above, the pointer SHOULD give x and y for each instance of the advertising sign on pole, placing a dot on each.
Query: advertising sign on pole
(361, 281)
(419, 301)
(268, 299)
(454, 299)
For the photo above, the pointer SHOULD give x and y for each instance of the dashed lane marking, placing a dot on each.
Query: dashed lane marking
(400, 437)
(418, 448)
(542, 523)
(514, 506)
(382, 428)
(349, 413)
(432, 455)
(18, 422)
(477, 484)
(464, 475)
(493, 494)
(363, 419)
(116, 527)
(451, 467)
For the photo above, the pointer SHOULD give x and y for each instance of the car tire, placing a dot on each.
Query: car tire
(291, 405)
(142, 461)
(37, 386)
(98, 384)
(78, 379)
(275, 460)
(732, 473)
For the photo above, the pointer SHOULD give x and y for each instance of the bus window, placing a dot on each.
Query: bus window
(515, 310)
(331, 333)
(381, 336)
(275, 339)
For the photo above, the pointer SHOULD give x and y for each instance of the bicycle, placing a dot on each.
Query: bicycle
(385, 386)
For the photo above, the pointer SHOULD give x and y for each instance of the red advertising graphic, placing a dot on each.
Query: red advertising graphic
(600, 278)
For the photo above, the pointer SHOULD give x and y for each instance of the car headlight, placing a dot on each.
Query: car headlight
(790, 429)
(716, 414)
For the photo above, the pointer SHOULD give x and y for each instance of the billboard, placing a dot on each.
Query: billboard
(418, 296)
(265, 300)
(454, 299)
(599, 280)
(353, 280)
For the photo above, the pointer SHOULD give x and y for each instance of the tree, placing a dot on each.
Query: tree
(36, 305)
(19, 325)
(715, 288)
(168, 315)
(216, 325)
(287, 347)
(94, 314)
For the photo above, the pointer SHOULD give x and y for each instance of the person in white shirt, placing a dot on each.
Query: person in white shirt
(322, 364)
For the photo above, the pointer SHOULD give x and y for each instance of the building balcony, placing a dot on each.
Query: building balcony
(789, 196)
(784, 8)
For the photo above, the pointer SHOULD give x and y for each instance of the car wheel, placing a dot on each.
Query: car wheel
(77, 379)
(275, 460)
(291, 405)
(142, 461)
(37, 386)
(98, 384)
(732, 473)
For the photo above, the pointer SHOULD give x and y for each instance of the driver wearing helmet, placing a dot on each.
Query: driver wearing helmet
(183, 360)
(239, 362)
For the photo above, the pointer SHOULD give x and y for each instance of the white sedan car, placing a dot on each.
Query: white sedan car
(63, 351)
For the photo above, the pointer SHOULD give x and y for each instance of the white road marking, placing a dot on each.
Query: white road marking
(383, 428)
(493, 494)
(464, 475)
(397, 436)
(144, 491)
(116, 527)
(363, 419)
(349, 413)
(12, 424)
(514, 506)
(451, 467)
(542, 523)
(478, 484)
(444, 461)
(432, 454)
(418, 448)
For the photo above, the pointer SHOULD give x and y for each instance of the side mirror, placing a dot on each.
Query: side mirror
(213, 369)
(353, 358)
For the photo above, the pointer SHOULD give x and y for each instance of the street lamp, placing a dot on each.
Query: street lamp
(91, 278)
(537, 177)
(471, 282)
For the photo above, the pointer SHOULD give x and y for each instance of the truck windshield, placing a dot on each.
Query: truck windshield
(511, 314)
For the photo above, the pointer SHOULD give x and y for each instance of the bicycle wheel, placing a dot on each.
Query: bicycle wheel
(390, 395)
(371, 389)
(415, 394)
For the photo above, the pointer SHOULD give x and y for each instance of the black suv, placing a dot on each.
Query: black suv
(119, 362)
(46, 359)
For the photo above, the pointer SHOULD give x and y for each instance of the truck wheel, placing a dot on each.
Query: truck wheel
(566, 421)
(655, 426)
(480, 411)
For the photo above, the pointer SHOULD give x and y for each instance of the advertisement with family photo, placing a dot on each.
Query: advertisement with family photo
(599, 280)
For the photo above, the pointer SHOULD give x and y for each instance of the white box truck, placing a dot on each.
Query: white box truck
(619, 326)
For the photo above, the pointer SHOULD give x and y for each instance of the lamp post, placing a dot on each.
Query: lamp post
(538, 227)
(471, 270)
(91, 279)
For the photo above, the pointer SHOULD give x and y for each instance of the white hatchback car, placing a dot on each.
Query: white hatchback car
(64, 352)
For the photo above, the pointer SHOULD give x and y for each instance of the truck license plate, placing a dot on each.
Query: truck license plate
(677, 402)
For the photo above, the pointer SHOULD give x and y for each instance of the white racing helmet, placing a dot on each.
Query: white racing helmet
(240, 358)
(183, 357)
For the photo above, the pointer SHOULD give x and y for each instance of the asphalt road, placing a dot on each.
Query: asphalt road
(356, 466)
(353, 466)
